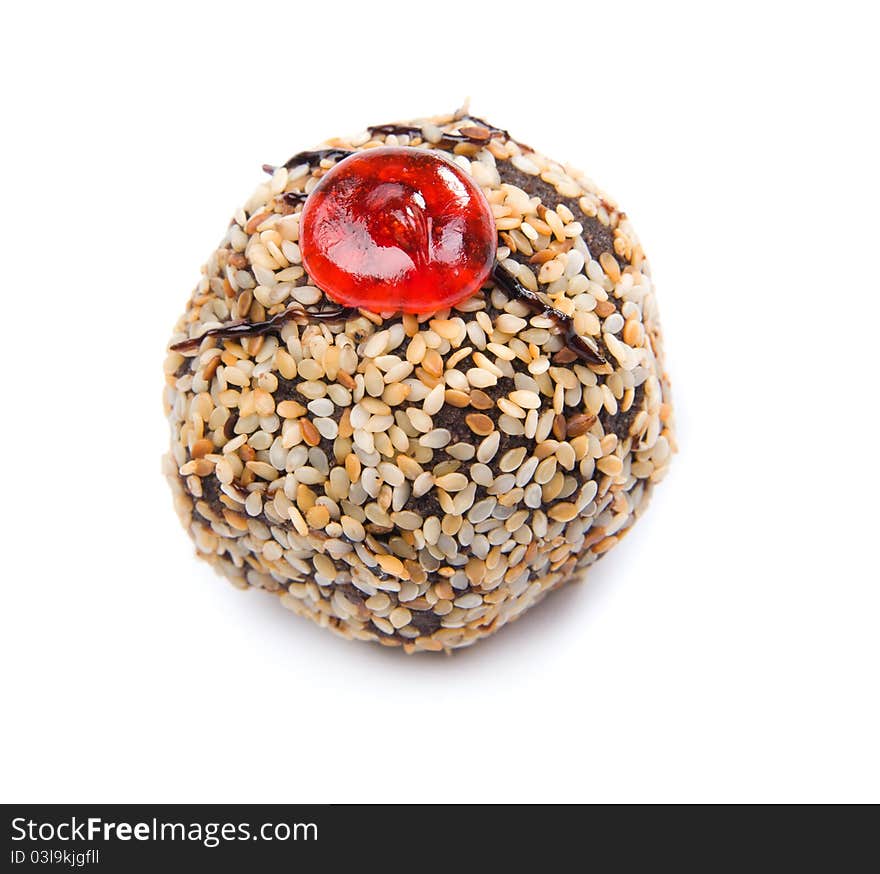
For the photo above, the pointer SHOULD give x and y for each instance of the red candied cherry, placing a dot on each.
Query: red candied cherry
(393, 229)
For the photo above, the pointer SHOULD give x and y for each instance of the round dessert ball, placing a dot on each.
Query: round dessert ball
(460, 409)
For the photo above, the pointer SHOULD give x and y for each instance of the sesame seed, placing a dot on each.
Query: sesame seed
(509, 324)
(482, 510)
(436, 438)
(546, 470)
(468, 601)
(451, 482)
(378, 602)
(484, 363)
(400, 617)
(321, 407)
(512, 459)
(353, 529)
(461, 451)
(511, 409)
(391, 474)
(420, 420)
(528, 400)
(511, 426)
(407, 520)
(566, 456)
(434, 400)
(526, 470)
(488, 447)
(610, 464)
(422, 484)
(376, 345)
(398, 372)
(480, 378)
(327, 428)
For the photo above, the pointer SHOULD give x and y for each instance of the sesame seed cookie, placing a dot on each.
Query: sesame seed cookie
(420, 480)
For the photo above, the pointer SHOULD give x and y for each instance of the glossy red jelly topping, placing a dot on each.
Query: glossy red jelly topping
(393, 229)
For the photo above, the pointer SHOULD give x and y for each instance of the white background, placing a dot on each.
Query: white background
(726, 651)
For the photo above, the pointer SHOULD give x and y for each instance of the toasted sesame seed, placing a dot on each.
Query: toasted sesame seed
(415, 352)
(604, 308)
(562, 512)
(318, 517)
(480, 424)
(610, 266)
(457, 398)
(479, 400)
(449, 329)
(391, 564)
(299, 523)
(433, 363)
